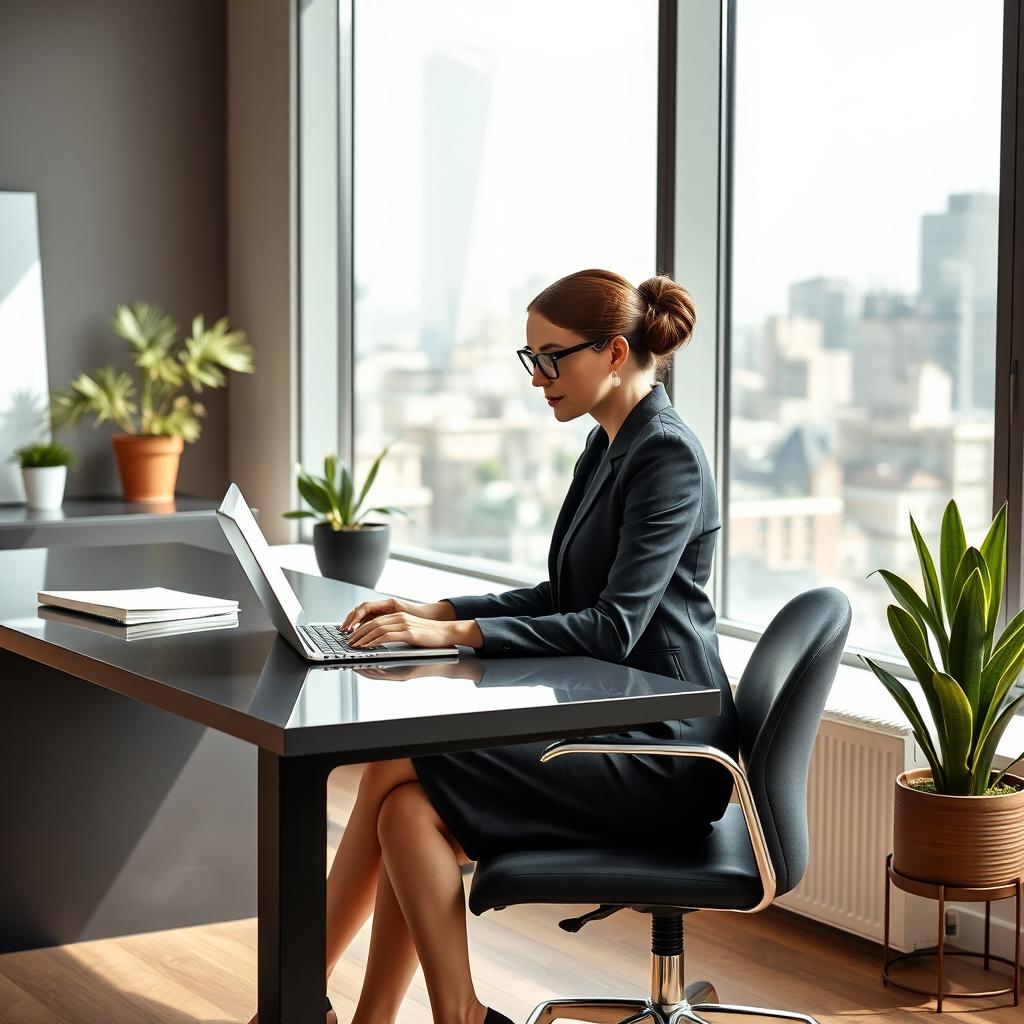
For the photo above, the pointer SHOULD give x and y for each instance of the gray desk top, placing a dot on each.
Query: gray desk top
(75, 509)
(247, 682)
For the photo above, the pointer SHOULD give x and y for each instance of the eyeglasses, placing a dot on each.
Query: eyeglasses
(547, 362)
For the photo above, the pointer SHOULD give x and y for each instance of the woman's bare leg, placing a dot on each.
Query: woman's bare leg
(422, 860)
(391, 962)
(352, 880)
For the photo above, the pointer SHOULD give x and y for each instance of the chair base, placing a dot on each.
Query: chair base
(699, 996)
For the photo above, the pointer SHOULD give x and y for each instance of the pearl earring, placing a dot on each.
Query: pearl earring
(616, 381)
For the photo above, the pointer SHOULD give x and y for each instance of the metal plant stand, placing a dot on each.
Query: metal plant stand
(979, 894)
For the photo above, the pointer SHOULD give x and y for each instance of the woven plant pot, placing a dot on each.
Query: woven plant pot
(958, 840)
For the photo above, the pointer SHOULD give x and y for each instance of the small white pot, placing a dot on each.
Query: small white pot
(44, 486)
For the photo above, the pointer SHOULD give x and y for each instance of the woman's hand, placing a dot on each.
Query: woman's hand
(440, 610)
(405, 627)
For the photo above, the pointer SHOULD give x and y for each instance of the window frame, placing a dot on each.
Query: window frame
(696, 45)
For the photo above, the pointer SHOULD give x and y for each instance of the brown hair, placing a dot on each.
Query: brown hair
(657, 318)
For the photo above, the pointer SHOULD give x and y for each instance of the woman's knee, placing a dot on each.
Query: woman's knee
(405, 807)
(379, 778)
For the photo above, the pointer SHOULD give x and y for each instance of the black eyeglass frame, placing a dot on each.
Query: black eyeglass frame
(532, 360)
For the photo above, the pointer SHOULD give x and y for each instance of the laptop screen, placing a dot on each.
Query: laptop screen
(256, 558)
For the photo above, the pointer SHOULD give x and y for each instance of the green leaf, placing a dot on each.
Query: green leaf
(907, 704)
(931, 581)
(1011, 631)
(371, 476)
(385, 510)
(958, 726)
(209, 352)
(996, 684)
(107, 395)
(912, 602)
(912, 643)
(952, 544)
(986, 750)
(345, 495)
(331, 470)
(970, 560)
(300, 514)
(337, 510)
(993, 550)
(1016, 760)
(967, 638)
(313, 493)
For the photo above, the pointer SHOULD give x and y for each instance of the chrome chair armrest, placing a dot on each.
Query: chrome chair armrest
(765, 870)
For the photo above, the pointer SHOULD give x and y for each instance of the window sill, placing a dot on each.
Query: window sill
(856, 698)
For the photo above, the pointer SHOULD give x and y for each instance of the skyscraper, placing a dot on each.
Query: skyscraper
(958, 287)
(456, 93)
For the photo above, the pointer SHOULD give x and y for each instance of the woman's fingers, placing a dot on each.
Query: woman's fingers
(366, 610)
(366, 631)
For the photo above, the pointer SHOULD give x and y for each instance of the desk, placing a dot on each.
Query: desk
(97, 731)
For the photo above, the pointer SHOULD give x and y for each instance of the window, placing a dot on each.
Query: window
(496, 148)
(863, 262)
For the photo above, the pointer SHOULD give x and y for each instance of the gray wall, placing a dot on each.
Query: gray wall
(114, 113)
(261, 252)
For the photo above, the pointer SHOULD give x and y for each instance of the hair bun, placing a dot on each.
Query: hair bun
(671, 315)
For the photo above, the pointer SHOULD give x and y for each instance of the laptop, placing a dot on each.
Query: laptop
(315, 641)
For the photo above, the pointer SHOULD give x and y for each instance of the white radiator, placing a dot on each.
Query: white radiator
(849, 810)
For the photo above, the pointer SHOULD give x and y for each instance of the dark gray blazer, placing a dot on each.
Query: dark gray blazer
(628, 562)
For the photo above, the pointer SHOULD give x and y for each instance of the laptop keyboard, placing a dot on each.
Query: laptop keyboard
(331, 641)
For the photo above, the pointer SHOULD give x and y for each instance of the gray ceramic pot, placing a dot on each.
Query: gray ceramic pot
(354, 556)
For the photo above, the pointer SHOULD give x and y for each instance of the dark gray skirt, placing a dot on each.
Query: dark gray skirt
(503, 799)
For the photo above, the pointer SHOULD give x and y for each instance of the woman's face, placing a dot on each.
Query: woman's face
(583, 377)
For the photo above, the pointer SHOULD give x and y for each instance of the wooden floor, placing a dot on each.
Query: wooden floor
(520, 956)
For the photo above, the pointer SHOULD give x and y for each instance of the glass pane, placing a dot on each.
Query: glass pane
(497, 148)
(865, 194)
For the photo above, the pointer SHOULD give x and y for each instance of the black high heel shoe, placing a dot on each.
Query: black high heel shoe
(493, 1017)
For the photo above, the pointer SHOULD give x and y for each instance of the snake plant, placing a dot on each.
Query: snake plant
(968, 684)
(333, 496)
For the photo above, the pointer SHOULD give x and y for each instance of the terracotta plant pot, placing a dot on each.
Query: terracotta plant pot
(958, 840)
(148, 465)
(355, 556)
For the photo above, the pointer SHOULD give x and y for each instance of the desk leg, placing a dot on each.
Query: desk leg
(292, 889)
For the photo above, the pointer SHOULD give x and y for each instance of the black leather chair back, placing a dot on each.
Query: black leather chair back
(779, 699)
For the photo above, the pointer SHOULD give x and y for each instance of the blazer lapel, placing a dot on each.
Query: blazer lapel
(648, 407)
(604, 472)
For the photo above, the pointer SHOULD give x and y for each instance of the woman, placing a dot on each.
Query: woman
(630, 554)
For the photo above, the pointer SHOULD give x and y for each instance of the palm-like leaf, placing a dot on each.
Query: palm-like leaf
(107, 395)
(152, 334)
(209, 352)
(181, 421)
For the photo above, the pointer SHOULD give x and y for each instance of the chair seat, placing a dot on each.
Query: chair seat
(717, 872)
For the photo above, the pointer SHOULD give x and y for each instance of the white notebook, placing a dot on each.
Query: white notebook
(150, 604)
(141, 630)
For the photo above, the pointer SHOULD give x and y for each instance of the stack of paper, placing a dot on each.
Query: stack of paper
(130, 607)
(141, 630)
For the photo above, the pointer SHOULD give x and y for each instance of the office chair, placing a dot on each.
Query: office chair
(757, 851)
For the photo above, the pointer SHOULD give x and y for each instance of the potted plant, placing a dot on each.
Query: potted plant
(346, 547)
(958, 822)
(44, 471)
(155, 413)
